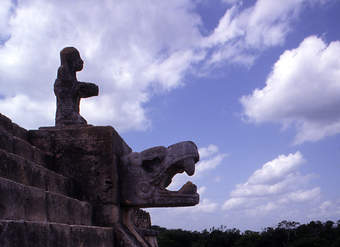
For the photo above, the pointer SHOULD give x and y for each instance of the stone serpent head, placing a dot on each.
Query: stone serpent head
(144, 176)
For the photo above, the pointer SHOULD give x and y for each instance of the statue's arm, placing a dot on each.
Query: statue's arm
(87, 89)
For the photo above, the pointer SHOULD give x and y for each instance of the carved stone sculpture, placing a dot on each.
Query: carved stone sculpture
(144, 178)
(69, 90)
(78, 185)
(146, 175)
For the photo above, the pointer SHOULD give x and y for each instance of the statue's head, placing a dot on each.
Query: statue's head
(70, 57)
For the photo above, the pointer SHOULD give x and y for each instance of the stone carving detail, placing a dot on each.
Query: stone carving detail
(115, 180)
(84, 176)
(146, 175)
(69, 90)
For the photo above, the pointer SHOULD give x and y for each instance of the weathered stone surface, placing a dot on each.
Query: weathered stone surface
(110, 176)
(8, 126)
(43, 139)
(62, 209)
(106, 214)
(144, 176)
(6, 141)
(69, 90)
(59, 184)
(19, 131)
(21, 202)
(6, 123)
(28, 151)
(22, 148)
(42, 234)
(59, 235)
(13, 234)
(90, 156)
(42, 158)
(29, 203)
(22, 171)
(92, 236)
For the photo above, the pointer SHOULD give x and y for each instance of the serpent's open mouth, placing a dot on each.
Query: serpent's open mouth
(187, 194)
(186, 165)
(146, 176)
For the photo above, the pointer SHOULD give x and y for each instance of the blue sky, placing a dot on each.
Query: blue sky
(255, 84)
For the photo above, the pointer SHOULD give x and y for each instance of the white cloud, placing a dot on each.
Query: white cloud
(201, 190)
(132, 49)
(210, 163)
(21, 105)
(328, 209)
(301, 195)
(207, 151)
(210, 159)
(303, 89)
(205, 206)
(273, 188)
(234, 202)
(243, 32)
(276, 169)
(279, 187)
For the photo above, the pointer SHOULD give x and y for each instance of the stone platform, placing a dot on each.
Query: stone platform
(82, 186)
(59, 187)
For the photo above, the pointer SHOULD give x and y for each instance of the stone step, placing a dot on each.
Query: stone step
(26, 172)
(45, 234)
(23, 148)
(22, 202)
(7, 125)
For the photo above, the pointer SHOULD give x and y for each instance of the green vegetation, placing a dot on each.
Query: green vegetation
(286, 234)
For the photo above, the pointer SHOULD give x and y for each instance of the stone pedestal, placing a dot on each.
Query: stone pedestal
(90, 156)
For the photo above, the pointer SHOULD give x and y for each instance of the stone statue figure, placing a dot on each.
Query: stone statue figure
(69, 90)
(117, 182)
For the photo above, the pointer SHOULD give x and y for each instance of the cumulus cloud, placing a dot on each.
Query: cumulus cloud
(201, 190)
(129, 49)
(20, 105)
(206, 206)
(275, 186)
(326, 210)
(330, 208)
(207, 151)
(303, 90)
(210, 159)
(132, 49)
(274, 170)
(301, 195)
(243, 32)
(210, 163)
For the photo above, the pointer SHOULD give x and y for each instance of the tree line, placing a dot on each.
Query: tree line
(285, 234)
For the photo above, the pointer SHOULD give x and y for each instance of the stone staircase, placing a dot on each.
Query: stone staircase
(38, 206)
